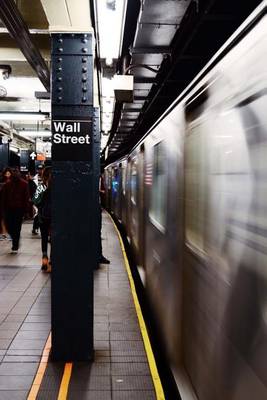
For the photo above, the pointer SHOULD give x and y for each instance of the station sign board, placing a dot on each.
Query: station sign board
(72, 139)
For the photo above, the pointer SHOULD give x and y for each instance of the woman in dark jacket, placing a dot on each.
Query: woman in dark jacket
(14, 200)
(6, 177)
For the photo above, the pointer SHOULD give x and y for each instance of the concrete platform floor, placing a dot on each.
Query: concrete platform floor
(120, 370)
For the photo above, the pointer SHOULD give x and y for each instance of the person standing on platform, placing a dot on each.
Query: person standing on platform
(101, 258)
(14, 200)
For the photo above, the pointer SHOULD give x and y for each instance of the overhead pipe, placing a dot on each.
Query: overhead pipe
(17, 28)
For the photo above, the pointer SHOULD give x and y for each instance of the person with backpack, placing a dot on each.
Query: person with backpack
(42, 200)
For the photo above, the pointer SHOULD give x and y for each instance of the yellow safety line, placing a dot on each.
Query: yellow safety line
(41, 371)
(63, 391)
(150, 356)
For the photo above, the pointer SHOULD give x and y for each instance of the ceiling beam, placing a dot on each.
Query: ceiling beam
(68, 15)
(18, 29)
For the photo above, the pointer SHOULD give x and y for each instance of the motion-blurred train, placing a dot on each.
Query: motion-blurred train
(192, 196)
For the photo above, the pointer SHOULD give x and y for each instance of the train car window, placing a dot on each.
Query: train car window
(157, 210)
(124, 180)
(109, 178)
(134, 183)
(196, 190)
(115, 182)
(194, 105)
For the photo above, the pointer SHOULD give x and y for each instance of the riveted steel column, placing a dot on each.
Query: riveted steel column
(74, 196)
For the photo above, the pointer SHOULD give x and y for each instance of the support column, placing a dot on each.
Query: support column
(74, 196)
(4, 154)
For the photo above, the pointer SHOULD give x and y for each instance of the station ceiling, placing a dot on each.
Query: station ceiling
(165, 44)
(176, 38)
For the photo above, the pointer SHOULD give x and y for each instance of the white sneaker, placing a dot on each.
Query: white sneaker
(14, 252)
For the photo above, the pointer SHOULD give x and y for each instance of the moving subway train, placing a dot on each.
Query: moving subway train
(192, 197)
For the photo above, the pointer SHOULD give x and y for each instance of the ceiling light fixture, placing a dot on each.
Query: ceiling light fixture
(35, 133)
(23, 116)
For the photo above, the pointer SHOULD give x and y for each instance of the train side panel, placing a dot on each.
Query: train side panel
(225, 277)
(164, 227)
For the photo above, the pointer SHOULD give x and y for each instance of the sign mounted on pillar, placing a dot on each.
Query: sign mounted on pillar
(74, 199)
(72, 139)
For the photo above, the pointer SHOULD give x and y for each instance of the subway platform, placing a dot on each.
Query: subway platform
(124, 366)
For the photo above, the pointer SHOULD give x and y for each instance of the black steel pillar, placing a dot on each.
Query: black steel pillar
(24, 160)
(4, 154)
(74, 196)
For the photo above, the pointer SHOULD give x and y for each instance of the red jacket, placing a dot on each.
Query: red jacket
(14, 195)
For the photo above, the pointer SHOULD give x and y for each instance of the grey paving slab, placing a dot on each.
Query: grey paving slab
(89, 382)
(7, 334)
(132, 383)
(36, 326)
(10, 325)
(15, 382)
(27, 344)
(38, 318)
(125, 335)
(18, 369)
(89, 395)
(24, 352)
(95, 369)
(119, 370)
(15, 318)
(21, 359)
(134, 369)
(28, 335)
(5, 343)
(47, 395)
(101, 344)
(51, 382)
(13, 394)
(133, 395)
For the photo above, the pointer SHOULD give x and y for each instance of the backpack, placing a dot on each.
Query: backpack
(38, 195)
(44, 208)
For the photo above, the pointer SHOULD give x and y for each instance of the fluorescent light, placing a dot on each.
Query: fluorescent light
(111, 16)
(35, 133)
(23, 116)
(15, 149)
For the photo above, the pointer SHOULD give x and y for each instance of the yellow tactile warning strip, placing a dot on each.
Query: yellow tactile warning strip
(150, 356)
(41, 371)
(63, 391)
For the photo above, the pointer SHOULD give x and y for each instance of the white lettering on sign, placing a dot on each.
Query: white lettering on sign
(74, 127)
(59, 138)
(63, 128)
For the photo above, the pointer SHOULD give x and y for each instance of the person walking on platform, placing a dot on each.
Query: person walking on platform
(42, 200)
(32, 189)
(14, 200)
(37, 179)
(6, 176)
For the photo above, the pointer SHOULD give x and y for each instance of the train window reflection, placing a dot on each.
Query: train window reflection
(115, 183)
(195, 185)
(123, 180)
(157, 211)
(134, 183)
